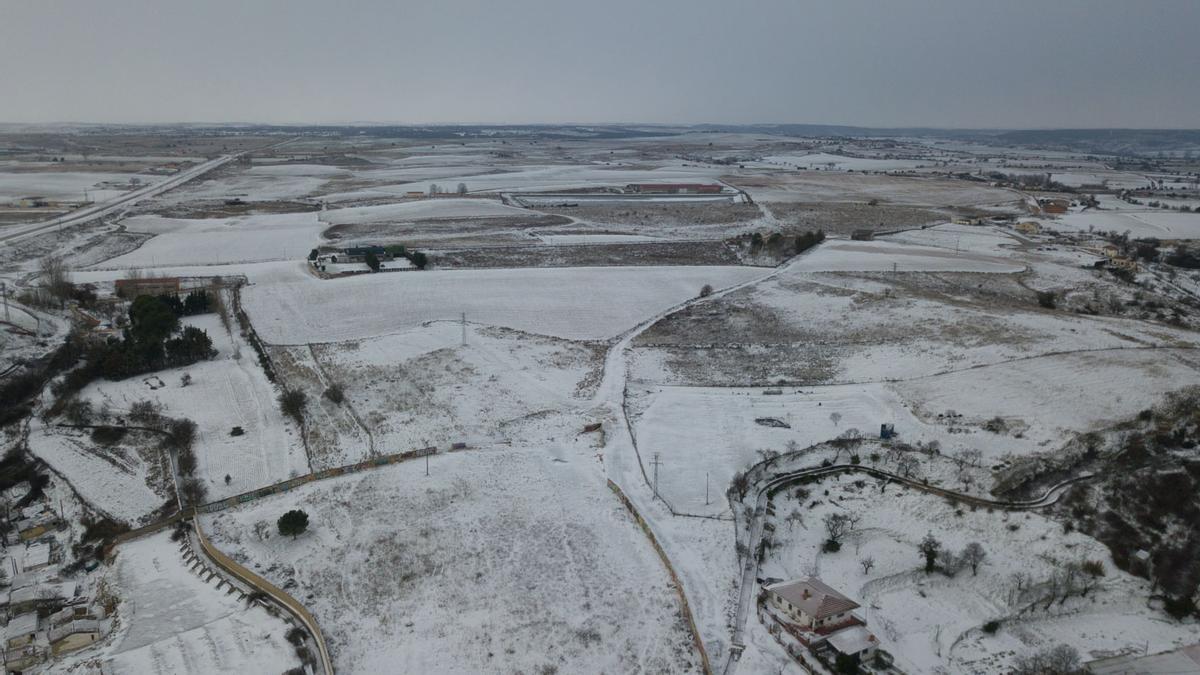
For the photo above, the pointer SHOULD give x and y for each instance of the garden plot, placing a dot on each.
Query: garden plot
(932, 622)
(423, 387)
(258, 184)
(171, 622)
(241, 239)
(886, 256)
(505, 561)
(572, 303)
(230, 390)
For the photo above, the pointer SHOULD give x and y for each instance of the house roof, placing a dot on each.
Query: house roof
(36, 556)
(813, 597)
(852, 640)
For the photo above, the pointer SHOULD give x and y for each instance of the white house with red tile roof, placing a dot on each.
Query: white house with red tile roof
(811, 604)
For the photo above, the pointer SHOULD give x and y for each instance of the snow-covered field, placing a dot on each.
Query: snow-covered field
(828, 161)
(126, 486)
(221, 240)
(425, 209)
(574, 303)
(64, 185)
(887, 256)
(423, 387)
(1149, 223)
(171, 622)
(499, 561)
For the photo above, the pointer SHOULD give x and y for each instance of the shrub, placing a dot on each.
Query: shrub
(1047, 299)
(108, 435)
(991, 627)
(706, 290)
(237, 431)
(831, 546)
(335, 393)
(293, 402)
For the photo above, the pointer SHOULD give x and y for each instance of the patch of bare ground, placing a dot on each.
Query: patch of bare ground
(440, 231)
(660, 214)
(590, 255)
(221, 209)
(749, 365)
(845, 217)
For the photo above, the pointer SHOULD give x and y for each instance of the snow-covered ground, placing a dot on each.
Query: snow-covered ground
(171, 622)
(424, 209)
(932, 621)
(499, 561)
(828, 161)
(1147, 223)
(886, 256)
(423, 387)
(573, 303)
(230, 390)
(242, 239)
(65, 185)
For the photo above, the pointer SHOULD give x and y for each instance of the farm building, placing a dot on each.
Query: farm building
(811, 604)
(674, 188)
(356, 254)
(1029, 227)
(1054, 206)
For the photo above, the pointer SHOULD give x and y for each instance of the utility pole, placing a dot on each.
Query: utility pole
(656, 463)
(464, 329)
(706, 488)
(894, 268)
(4, 292)
(426, 465)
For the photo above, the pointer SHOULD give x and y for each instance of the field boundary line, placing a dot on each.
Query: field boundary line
(683, 601)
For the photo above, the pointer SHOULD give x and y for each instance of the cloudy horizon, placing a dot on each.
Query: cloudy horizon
(923, 63)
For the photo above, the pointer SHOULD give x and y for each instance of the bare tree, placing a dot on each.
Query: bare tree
(907, 466)
(835, 417)
(837, 525)
(867, 563)
(930, 549)
(973, 556)
(462, 189)
(56, 277)
(794, 518)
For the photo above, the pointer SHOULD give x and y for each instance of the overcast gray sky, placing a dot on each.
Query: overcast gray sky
(958, 63)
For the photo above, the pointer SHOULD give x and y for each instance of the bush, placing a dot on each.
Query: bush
(706, 290)
(293, 402)
(237, 431)
(193, 492)
(335, 393)
(108, 435)
(991, 627)
(1047, 299)
(831, 546)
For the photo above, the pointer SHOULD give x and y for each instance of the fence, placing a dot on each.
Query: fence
(280, 488)
(687, 610)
